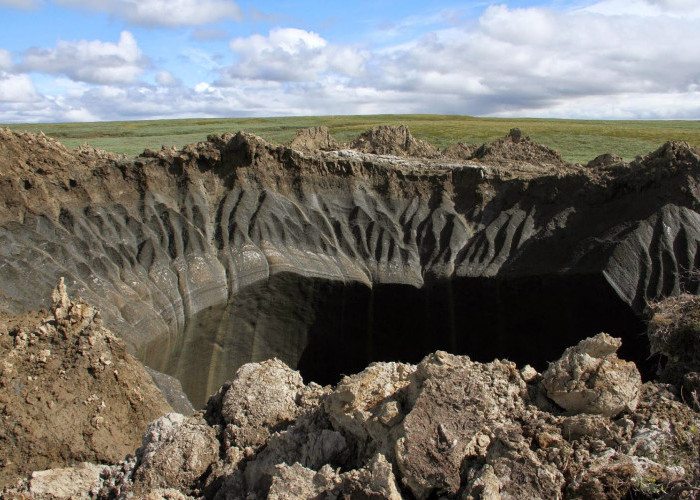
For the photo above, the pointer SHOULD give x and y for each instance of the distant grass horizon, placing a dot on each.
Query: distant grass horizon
(577, 140)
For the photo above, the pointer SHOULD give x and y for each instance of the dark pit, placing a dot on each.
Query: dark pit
(326, 329)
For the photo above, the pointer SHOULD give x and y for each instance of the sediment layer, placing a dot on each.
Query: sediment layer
(159, 241)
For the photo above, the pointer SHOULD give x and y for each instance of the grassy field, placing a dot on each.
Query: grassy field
(577, 140)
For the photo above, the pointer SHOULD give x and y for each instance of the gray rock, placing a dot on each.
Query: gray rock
(177, 451)
(72, 482)
(589, 378)
(263, 398)
(172, 391)
(370, 406)
(376, 480)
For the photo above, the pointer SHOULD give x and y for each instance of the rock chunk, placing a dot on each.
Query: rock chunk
(437, 438)
(66, 483)
(590, 378)
(674, 333)
(261, 399)
(376, 480)
(369, 406)
(176, 453)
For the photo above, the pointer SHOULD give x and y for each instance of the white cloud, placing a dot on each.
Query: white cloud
(167, 79)
(5, 60)
(89, 61)
(677, 105)
(168, 13)
(586, 63)
(78, 115)
(290, 54)
(17, 89)
(517, 61)
(646, 8)
(509, 62)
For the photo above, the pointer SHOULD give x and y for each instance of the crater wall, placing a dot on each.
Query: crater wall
(168, 243)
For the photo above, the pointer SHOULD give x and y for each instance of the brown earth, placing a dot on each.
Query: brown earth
(314, 139)
(447, 427)
(516, 148)
(69, 392)
(393, 140)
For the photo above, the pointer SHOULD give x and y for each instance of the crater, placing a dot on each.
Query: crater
(235, 250)
(327, 328)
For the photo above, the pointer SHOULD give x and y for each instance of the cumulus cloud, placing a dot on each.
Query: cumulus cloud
(167, 13)
(509, 62)
(17, 89)
(5, 60)
(167, 79)
(646, 8)
(528, 60)
(589, 62)
(290, 54)
(89, 61)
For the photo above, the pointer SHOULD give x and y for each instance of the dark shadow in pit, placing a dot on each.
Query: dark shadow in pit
(526, 320)
(327, 328)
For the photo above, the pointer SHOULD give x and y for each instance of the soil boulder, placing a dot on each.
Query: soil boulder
(590, 378)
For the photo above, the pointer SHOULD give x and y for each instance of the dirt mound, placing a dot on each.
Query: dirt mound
(69, 392)
(516, 148)
(392, 140)
(605, 160)
(460, 151)
(314, 139)
(38, 172)
(446, 427)
(672, 154)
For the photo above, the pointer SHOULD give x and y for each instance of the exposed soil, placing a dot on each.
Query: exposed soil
(460, 151)
(392, 140)
(517, 148)
(314, 139)
(69, 392)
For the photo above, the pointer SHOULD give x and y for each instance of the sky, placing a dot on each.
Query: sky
(97, 60)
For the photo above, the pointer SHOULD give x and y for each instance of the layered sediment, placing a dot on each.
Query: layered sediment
(236, 250)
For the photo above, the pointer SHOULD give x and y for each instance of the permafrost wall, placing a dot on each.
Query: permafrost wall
(235, 250)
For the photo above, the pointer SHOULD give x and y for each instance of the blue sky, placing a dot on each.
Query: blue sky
(92, 60)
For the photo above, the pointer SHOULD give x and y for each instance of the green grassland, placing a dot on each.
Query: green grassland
(577, 140)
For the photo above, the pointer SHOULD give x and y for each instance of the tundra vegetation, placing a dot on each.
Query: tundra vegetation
(577, 140)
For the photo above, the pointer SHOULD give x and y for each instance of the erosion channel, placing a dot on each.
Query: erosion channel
(332, 256)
